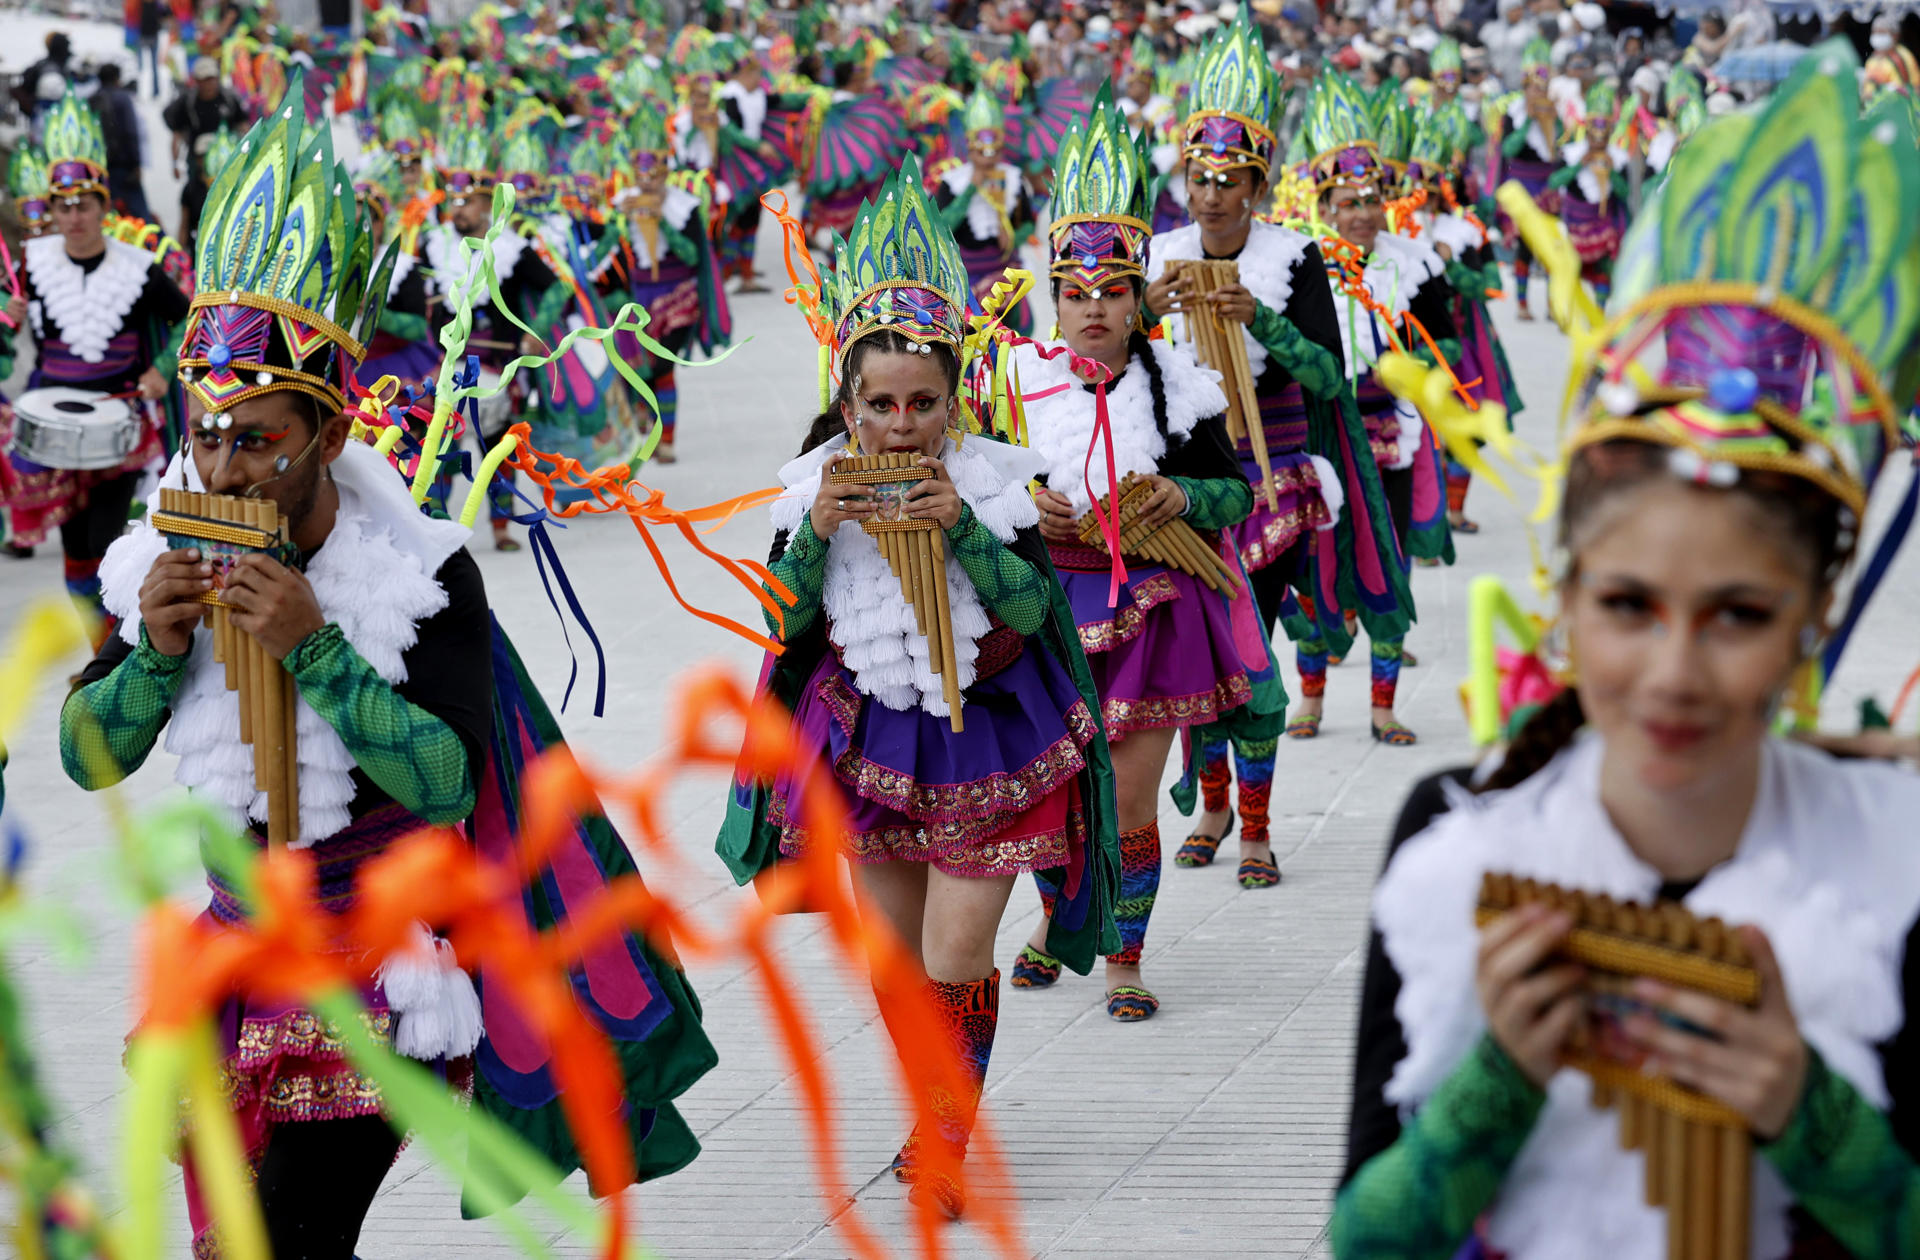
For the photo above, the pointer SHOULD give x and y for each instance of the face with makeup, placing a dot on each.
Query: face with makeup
(1222, 202)
(271, 442)
(1357, 214)
(1097, 318)
(82, 221)
(470, 213)
(898, 403)
(1687, 610)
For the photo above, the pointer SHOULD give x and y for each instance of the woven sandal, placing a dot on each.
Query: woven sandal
(1465, 527)
(1033, 969)
(1306, 726)
(1427, 562)
(1394, 735)
(906, 1165)
(943, 1190)
(1408, 660)
(1259, 872)
(1198, 849)
(1129, 1003)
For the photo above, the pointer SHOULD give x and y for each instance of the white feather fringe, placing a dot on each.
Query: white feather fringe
(436, 1010)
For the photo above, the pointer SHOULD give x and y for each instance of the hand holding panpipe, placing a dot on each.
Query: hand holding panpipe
(1698, 1152)
(1173, 543)
(224, 528)
(916, 551)
(1220, 345)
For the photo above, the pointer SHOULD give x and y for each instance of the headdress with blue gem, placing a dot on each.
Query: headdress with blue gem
(288, 291)
(1235, 97)
(466, 163)
(75, 148)
(984, 115)
(27, 185)
(1340, 135)
(897, 270)
(1100, 226)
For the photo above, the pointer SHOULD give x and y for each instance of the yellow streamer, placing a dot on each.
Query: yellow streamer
(219, 1161)
(1488, 606)
(470, 510)
(49, 630)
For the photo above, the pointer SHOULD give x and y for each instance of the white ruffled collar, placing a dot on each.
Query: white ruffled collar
(982, 219)
(87, 308)
(874, 626)
(1824, 868)
(455, 267)
(1061, 425)
(1266, 268)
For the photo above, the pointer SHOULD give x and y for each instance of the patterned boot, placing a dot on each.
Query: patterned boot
(971, 1011)
(1139, 886)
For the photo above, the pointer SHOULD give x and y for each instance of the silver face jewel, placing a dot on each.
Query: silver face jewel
(263, 378)
(226, 421)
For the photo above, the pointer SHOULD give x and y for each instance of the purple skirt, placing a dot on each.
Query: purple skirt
(999, 798)
(1299, 507)
(1165, 655)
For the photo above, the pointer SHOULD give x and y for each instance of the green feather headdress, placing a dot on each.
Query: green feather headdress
(1430, 160)
(898, 269)
(377, 185)
(1777, 264)
(1445, 58)
(524, 162)
(288, 292)
(401, 133)
(1393, 126)
(221, 148)
(76, 151)
(27, 185)
(984, 114)
(1235, 97)
(1340, 135)
(467, 164)
(1101, 214)
(1536, 59)
(646, 137)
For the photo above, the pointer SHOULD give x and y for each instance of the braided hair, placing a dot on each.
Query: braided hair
(1141, 348)
(1802, 518)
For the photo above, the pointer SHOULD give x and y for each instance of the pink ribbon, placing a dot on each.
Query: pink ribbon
(13, 281)
(1524, 680)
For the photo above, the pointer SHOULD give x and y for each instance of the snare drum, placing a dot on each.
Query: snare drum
(78, 429)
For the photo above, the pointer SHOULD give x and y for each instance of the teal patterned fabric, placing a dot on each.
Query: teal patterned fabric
(1215, 502)
(107, 728)
(803, 568)
(1316, 368)
(1419, 1198)
(411, 755)
(1839, 1156)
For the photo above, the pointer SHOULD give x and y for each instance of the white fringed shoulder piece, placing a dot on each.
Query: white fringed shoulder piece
(867, 616)
(1062, 424)
(454, 268)
(403, 266)
(1824, 868)
(1266, 268)
(982, 219)
(87, 309)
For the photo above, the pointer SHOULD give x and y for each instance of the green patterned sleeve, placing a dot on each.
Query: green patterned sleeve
(413, 756)
(1015, 590)
(108, 727)
(1840, 1158)
(404, 326)
(1312, 364)
(803, 567)
(1419, 1198)
(1215, 502)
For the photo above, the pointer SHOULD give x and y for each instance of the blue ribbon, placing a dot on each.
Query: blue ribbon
(544, 553)
(1876, 569)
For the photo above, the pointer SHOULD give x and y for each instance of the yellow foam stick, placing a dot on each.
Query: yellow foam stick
(49, 630)
(1462, 430)
(470, 510)
(1489, 606)
(218, 1159)
(385, 443)
(430, 449)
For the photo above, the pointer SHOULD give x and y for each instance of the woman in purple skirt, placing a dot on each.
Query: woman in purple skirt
(1165, 650)
(940, 821)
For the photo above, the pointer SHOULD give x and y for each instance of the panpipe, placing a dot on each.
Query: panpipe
(1220, 345)
(1699, 1155)
(1173, 543)
(226, 528)
(916, 551)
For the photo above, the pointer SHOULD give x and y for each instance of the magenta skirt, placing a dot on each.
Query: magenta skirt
(1169, 654)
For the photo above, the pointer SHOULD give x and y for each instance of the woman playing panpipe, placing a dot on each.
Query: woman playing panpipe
(1164, 652)
(1319, 518)
(944, 813)
(1708, 513)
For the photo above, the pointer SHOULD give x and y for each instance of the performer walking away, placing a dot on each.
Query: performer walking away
(983, 199)
(105, 318)
(1319, 519)
(526, 285)
(1708, 514)
(1593, 192)
(1166, 655)
(1392, 292)
(403, 682)
(941, 822)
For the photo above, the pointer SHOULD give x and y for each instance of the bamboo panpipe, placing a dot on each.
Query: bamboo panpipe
(916, 551)
(1173, 543)
(1220, 346)
(225, 528)
(1698, 1154)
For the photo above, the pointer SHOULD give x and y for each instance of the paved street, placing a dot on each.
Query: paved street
(1215, 1129)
